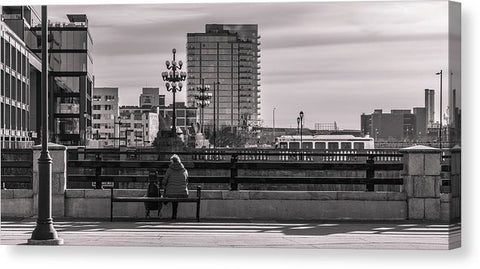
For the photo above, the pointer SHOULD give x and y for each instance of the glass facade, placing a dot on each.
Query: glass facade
(70, 78)
(15, 88)
(227, 54)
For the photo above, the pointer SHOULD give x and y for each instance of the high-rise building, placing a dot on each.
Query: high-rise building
(228, 54)
(19, 79)
(105, 115)
(149, 97)
(70, 79)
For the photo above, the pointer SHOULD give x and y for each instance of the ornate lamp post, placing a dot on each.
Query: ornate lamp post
(215, 104)
(301, 127)
(203, 100)
(119, 123)
(440, 133)
(173, 84)
(44, 232)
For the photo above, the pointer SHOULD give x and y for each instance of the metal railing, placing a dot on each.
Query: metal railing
(100, 165)
(16, 168)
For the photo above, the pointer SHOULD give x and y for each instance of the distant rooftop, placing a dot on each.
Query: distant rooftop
(77, 18)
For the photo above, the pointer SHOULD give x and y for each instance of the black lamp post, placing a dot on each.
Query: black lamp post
(301, 127)
(119, 123)
(215, 104)
(203, 100)
(174, 84)
(440, 133)
(44, 232)
(298, 125)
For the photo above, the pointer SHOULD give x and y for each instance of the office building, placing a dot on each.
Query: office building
(70, 79)
(19, 80)
(186, 117)
(397, 125)
(420, 121)
(105, 116)
(150, 98)
(138, 126)
(228, 54)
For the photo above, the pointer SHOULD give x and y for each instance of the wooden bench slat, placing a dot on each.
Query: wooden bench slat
(142, 199)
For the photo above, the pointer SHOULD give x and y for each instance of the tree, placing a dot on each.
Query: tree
(226, 137)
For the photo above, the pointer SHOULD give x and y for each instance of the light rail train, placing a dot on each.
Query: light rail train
(324, 142)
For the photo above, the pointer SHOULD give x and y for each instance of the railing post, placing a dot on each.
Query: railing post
(233, 172)
(98, 173)
(370, 173)
(58, 153)
(421, 180)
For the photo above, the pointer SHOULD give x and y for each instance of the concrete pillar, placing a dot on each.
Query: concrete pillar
(421, 181)
(58, 153)
(455, 183)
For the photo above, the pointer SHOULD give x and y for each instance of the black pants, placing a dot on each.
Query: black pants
(175, 204)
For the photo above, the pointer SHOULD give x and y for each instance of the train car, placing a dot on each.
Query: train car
(325, 142)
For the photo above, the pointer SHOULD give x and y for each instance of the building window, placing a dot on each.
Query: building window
(97, 98)
(97, 107)
(96, 116)
(109, 98)
(108, 107)
(96, 125)
(137, 125)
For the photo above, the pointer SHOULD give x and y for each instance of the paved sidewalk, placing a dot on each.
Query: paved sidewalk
(246, 233)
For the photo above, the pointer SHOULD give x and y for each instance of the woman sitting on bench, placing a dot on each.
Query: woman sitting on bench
(176, 182)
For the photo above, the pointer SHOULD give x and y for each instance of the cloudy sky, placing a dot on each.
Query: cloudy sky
(334, 61)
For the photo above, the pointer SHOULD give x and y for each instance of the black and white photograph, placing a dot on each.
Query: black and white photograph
(289, 125)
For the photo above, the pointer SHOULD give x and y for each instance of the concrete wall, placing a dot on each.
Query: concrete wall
(280, 205)
(275, 205)
(17, 202)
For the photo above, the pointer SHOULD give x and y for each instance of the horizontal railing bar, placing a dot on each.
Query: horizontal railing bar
(16, 164)
(253, 153)
(16, 178)
(239, 165)
(242, 179)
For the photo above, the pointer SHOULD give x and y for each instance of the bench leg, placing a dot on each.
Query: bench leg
(198, 211)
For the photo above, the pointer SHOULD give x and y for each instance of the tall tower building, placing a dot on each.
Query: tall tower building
(228, 54)
(430, 107)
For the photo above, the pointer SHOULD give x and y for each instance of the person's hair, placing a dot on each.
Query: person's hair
(175, 158)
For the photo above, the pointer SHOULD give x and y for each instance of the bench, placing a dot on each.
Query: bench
(114, 199)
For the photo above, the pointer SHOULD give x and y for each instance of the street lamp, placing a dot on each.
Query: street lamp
(440, 133)
(298, 125)
(119, 122)
(173, 84)
(203, 100)
(301, 128)
(215, 104)
(44, 232)
(274, 125)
